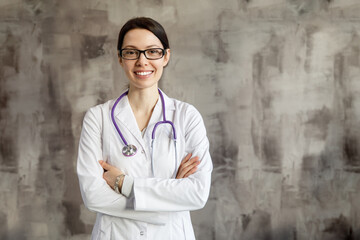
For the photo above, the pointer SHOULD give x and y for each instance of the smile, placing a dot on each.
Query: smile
(145, 73)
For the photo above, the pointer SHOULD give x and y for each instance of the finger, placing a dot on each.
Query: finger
(104, 177)
(187, 167)
(186, 158)
(190, 167)
(189, 162)
(180, 173)
(184, 163)
(184, 174)
(101, 162)
(192, 171)
(105, 165)
(182, 168)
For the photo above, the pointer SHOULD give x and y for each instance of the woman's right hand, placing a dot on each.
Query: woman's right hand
(187, 166)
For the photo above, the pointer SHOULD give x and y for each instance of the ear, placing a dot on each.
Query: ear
(166, 57)
(120, 59)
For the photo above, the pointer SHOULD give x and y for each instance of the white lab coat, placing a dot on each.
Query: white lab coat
(159, 205)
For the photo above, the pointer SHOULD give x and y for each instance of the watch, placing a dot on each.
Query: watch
(116, 186)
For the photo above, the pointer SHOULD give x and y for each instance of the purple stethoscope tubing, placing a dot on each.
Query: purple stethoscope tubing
(164, 121)
(113, 118)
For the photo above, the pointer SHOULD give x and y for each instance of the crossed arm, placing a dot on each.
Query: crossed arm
(187, 167)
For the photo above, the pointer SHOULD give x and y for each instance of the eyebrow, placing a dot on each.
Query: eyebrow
(150, 46)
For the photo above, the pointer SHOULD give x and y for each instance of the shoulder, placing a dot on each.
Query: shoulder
(96, 113)
(191, 122)
(186, 113)
(187, 109)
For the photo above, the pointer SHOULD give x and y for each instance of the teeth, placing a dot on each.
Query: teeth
(143, 73)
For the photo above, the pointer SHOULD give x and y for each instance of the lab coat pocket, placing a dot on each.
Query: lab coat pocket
(181, 226)
(187, 227)
(112, 228)
(104, 229)
(119, 232)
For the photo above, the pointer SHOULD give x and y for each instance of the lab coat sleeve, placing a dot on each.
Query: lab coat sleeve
(191, 193)
(96, 193)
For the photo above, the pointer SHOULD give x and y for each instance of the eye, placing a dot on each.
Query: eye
(154, 51)
(129, 52)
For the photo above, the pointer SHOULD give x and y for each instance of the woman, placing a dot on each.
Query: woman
(143, 192)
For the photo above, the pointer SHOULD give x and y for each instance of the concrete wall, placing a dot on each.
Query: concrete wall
(277, 82)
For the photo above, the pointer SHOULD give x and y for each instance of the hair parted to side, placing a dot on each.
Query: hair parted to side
(144, 23)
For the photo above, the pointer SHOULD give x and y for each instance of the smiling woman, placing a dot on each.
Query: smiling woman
(129, 148)
(143, 70)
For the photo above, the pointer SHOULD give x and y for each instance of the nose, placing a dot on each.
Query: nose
(142, 60)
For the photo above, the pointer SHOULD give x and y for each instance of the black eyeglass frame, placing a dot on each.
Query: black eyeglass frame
(141, 51)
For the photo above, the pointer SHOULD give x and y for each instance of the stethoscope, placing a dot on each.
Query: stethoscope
(130, 150)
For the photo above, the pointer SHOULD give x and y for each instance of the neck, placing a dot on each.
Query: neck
(143, 100)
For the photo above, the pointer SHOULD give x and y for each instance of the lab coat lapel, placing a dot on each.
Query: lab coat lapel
(126, 117)
(157, 113)
(169, 106)
(155, 116)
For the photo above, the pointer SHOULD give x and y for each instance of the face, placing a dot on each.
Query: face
(143, 73)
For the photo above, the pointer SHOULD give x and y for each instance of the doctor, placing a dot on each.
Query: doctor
(135, 184)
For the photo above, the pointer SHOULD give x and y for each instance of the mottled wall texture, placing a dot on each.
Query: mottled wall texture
(277, 82)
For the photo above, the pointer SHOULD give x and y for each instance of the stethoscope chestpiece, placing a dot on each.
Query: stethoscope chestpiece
(129, 150)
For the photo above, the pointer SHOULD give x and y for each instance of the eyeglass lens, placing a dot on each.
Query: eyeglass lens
(152, 53)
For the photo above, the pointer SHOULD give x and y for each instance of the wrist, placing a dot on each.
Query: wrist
(118, 183)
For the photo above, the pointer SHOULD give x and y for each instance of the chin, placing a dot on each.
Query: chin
(144, 85)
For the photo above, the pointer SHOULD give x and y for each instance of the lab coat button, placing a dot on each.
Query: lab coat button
(141, 233)
(142, 151)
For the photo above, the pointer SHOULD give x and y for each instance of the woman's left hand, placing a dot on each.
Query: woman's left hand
(110, 174)
(187, 166)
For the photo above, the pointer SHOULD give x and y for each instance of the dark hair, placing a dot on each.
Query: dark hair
(144, 23)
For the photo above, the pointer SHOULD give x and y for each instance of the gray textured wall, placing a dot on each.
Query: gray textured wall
(277, 82)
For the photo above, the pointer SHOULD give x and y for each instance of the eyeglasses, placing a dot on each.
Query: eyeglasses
(133, 54)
